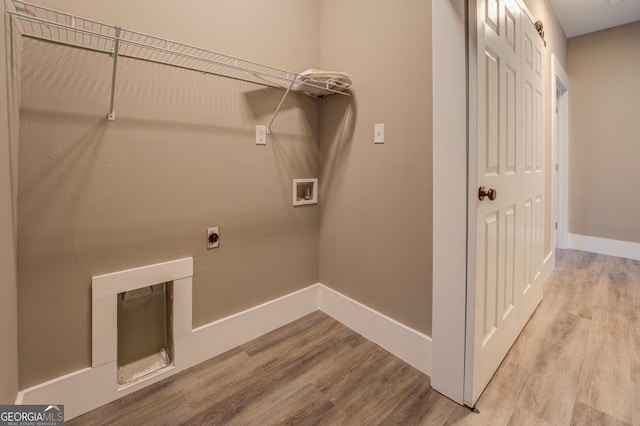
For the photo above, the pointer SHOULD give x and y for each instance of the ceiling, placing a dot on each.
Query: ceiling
(579, 17)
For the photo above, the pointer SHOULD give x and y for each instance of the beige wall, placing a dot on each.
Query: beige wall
(8, 281)
(98, 196)
(604, 146)
(556, 45)
(375, 227)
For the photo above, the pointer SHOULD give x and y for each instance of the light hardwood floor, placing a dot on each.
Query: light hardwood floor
(577, 362)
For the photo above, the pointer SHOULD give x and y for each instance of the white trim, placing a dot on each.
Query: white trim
(472, 222)
(626, 249)
(190, 349)
(559, 152)
(409, 345)
(219, 336)
(130, 279)
(449, 197)
(89, 388)
(104, 293)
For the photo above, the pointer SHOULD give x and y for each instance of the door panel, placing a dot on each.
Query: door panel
(491, 14)
(511, 124)
(510, 260)
(528, 246)
(491, 235)
(493, 116)
(528, 127)
(538, 130)
(510, 155)
(532, 185)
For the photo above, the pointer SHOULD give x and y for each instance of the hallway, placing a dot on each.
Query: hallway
(578, 359)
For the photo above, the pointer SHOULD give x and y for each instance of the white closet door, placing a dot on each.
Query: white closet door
(509, 167)
(531, 118)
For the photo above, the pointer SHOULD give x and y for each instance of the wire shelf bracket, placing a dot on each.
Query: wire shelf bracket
(63, 28)
(275, 114)
(116, 45)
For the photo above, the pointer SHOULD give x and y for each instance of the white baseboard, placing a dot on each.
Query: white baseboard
(409, 345)
(219, 336)
(91, 387)
(616, 248)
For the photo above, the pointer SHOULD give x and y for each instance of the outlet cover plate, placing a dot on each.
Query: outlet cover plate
(213, 237)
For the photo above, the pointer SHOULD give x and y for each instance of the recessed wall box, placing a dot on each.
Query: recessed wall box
(305, 191)
(145, 331)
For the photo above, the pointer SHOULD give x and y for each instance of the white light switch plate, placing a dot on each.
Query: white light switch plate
(378, 133)
(261, 135)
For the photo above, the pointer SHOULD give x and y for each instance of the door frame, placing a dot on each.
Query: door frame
(450, 189)
(454, 108)
(560, 151)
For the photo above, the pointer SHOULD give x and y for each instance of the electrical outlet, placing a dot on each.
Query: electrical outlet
(213, 237)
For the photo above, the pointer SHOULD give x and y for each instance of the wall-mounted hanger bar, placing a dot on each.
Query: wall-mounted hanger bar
(63, 28)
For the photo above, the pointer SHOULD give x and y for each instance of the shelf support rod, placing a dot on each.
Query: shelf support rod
(116, 46)
(275, 114)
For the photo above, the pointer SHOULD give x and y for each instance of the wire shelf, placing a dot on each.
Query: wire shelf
(59, 27)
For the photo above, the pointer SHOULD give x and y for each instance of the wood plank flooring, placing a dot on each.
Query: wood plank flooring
(577, 362)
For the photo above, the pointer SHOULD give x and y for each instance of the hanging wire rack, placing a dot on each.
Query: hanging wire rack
(59, 27)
